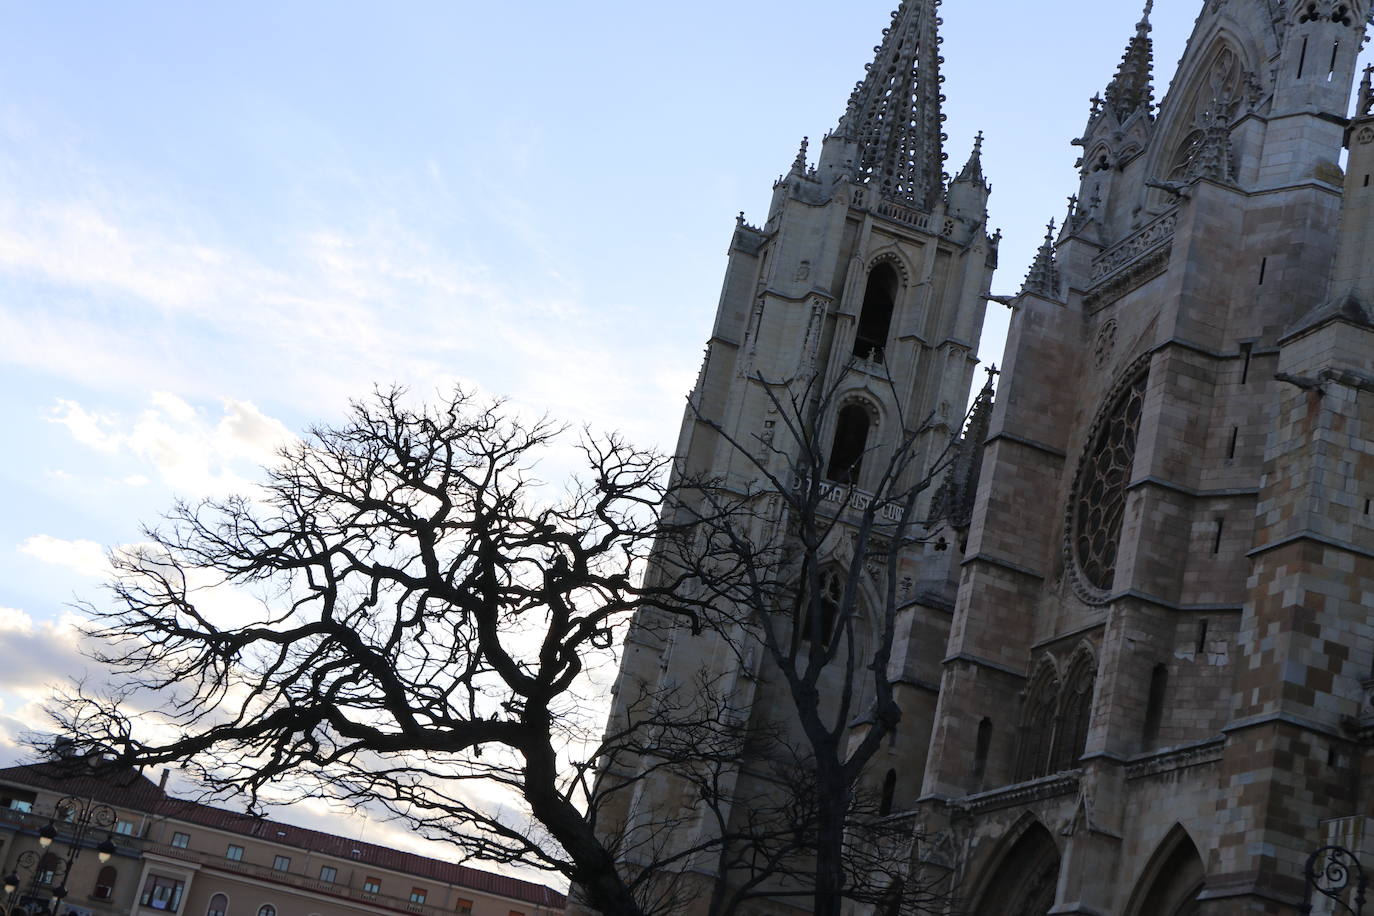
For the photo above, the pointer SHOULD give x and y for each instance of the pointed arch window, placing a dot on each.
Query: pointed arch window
(875, 319)
(1071, 738)
(852, 428)
(889, 793)
(1154, 709)
(819, 616)
(980, 752)
(1037, 729)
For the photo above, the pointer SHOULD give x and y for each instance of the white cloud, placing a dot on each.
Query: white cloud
(191, 452)
(85, 558)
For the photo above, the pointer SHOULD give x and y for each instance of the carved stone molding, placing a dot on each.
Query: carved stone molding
(1132, 249)
(1175, 759)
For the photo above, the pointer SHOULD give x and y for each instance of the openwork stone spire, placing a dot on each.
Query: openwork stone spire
(894, 112)
(1132, 87)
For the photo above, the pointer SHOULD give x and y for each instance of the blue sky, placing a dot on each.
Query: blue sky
(219, 222)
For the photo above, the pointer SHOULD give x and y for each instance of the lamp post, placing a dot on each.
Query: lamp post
(1331, 871)
(27, 862)
(83, 816)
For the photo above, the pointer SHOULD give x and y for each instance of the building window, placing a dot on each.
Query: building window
(889, 793)
(819, 616)
(850, 444)
(1100, 505)
(46, 873)
(163, 893)
(418, 895)
(281, 863)
(17, 800)
(329, 874)
(181, 840)
(127, 828)
(464, 907)
(219, 906)
(980, 752)
(104, 883)
(1037, 728)
(1075, 715)
(1154, 709)
(234, 853)
(372, 885)
(875, 319)
(267, 909)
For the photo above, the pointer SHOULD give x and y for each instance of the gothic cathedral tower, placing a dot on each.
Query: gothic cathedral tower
(1155, 698)
(869, 280)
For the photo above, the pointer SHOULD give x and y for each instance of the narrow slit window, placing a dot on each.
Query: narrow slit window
(1264, 266)
(980, 752)
(1302, 58)
(1216, 541)
(1154, 708)
(1231, 448)
(1201, 636)
(1335, 53)
(889, 793)
(875, 319)
(1247, 351)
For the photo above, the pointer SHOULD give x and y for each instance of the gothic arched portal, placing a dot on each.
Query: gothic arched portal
(1172, 880)
(1025, 882)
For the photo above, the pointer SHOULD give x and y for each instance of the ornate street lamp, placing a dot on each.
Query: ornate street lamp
(1331, 871)
(83, 815)
(27, 862)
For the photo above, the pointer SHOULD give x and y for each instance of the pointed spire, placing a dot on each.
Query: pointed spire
(973, 169)
(1132, 88)
(894, 112)
(953, 502)
(1043, 278)
(799, 164)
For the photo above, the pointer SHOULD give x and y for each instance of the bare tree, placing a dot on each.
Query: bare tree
(428, 615)
(763, 556)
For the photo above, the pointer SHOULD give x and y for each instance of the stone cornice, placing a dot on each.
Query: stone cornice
(1003, 564)
(1028, 443)
(1172, 759)
(1023, 793)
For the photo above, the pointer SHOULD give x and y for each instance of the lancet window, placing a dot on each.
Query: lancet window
(1037, 728)
(1075, 715)
(851, 442)
(875, 319)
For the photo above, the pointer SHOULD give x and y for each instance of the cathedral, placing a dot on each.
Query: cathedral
(1135, 657)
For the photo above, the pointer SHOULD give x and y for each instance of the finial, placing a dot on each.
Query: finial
(973, 169)
(1144, 23)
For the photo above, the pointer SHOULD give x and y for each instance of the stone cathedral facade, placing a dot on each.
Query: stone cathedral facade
(1138, 679)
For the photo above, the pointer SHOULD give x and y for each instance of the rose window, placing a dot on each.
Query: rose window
(1100, 500)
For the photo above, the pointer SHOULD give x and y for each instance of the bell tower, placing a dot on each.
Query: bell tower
(867, 280)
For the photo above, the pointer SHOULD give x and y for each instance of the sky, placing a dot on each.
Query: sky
(219, 222)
